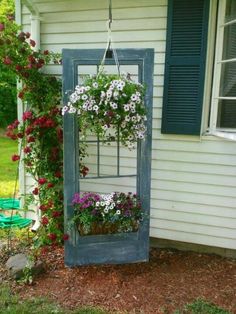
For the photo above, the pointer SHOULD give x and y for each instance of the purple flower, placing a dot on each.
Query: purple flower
(76, 199)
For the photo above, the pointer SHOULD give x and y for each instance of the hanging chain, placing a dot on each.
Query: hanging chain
(110, 51)
(110, 13)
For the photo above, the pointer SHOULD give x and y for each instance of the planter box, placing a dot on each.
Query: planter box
(101, 228)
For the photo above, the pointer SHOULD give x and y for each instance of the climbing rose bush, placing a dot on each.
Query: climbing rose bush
(40, 129)
(110, 106)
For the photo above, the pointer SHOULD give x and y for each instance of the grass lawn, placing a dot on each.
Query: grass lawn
(8, 168)
(11, 304)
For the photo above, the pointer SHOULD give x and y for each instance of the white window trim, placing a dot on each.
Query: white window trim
(213, 130)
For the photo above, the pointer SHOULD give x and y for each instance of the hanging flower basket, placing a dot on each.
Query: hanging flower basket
(106, 214)
(110, 106)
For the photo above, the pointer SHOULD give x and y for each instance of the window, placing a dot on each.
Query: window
(223, 109)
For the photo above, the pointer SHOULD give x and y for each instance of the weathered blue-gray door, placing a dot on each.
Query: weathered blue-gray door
(113, 248)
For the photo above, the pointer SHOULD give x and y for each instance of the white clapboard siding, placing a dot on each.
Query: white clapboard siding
(193, 196)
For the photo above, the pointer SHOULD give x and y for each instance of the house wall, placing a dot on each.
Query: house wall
(193, 178)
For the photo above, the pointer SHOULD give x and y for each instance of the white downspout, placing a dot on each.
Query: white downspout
(35, 35)
(22, 174)
(35, 30)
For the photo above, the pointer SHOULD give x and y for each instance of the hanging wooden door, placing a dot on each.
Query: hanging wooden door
(112, 248)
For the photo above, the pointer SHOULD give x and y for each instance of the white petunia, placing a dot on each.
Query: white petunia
(126, 107)
(95, 107)
(120, 87)
(106, 210)
(105, 127)
(134, 97)
(103, 94)
(87, 88)
(131, 145)
(132, 105)
(95, 85)
(115, 82)
(127, 118)
(85, 106)
(118, 212)
(114, 105)
(64, 110)
(84, 97)
(109, 93)
(72, 109)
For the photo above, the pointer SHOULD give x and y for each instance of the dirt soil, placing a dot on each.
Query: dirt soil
(170, 280)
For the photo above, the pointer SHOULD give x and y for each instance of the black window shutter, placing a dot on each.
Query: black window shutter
(185, 66)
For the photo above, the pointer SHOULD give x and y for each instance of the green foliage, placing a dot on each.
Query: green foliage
(7, 167)
(7, 7)
(8, 106)
(202, 307)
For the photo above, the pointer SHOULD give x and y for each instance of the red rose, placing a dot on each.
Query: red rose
(35, 191)
(52, 236)
(15, 124)
(46, 52)
(14, 137)
(44, 221)
(27, 34)
(15, 157)
(27, 115)
(20, 135)
(27, 150)
(25, 74)
(58, 174)
(85, 171)
(43, 207)
(21, 95)
(50, 185)
(18, 67)
(65, 237)
(21, 36)
(59, 134)
(31, 139)
(56, 213)
(49, 123)
(2, 27)
(7, 60)
(28, 130)
(32, 43)
(42, 181)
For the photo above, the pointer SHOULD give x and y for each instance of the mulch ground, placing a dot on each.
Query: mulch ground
(170, 280)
